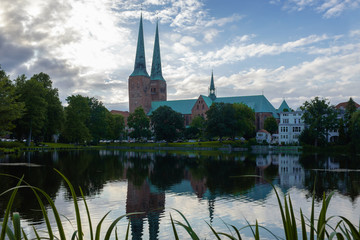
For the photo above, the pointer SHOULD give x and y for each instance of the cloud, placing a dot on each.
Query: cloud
(328, 8)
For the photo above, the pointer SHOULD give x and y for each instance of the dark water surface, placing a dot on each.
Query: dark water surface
(204, 186)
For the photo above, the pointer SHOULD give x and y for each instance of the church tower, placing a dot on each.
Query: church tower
(212, 95)
(139, 80)
(157, 83)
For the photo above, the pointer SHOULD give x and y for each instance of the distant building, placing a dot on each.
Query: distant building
(263, 136)
(150, 92)
(290, 127)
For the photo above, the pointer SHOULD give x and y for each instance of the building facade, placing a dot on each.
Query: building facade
(150, 92)
(290, 127)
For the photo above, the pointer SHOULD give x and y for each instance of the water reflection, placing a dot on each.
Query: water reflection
(154, 177)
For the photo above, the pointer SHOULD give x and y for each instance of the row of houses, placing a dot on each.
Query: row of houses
(291, 125)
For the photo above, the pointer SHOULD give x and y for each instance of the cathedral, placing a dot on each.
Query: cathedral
(150, 92)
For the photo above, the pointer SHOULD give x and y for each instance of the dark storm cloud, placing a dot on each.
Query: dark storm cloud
(11, 55)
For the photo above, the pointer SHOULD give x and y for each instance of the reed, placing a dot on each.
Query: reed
(295, 225)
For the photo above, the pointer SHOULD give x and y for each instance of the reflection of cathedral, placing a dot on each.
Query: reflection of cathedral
(141, 199)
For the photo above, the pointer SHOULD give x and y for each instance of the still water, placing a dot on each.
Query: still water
(204, 186)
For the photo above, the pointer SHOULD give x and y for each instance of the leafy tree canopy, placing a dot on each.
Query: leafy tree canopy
(271, 125)
(140, 124)
(319, 117)
(168, 125)
(10, 108)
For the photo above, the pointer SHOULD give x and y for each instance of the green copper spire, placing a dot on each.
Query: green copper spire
(212, 88)
(156, 73)
(140, 64)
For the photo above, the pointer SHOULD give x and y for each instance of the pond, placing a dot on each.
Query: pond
(207, 187)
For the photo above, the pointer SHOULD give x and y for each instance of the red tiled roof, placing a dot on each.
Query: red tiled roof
(344, 104)
(264, 131)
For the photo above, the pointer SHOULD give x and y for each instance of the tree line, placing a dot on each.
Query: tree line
(30, 109)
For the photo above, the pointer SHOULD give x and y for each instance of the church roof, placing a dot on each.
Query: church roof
(283, 106)
(258, 103)
(140, 64)
(156, 72)
(180, 106)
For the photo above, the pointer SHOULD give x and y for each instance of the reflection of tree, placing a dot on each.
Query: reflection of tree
(168, 170)
(319, 177)
(138, 169)
(42, 176)
(90, 169)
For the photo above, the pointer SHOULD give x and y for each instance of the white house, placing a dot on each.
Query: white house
(263, 135)
(290, 127)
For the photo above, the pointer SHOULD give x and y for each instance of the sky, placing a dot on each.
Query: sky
(285, 49)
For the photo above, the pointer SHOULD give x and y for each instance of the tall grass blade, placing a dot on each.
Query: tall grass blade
(113, 224)
(8, 232)
(188, 227)
(77, 212)
(36, 233)
(43, 210)
(74, 236)
(98, 228)
(257, 234)
(24, 235)
(303, 226)
(88, 214)
(116, 235)
(55, 212)
(174, 228)
(16, 225)
(213, 230)
(8, 209)
(293, 221)
(237, 232)
(322, 217)
(355, 234)
(127, 231)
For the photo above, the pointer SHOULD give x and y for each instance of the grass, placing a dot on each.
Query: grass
(294, 225)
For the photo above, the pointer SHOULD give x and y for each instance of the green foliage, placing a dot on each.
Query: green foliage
(77, 116)
(10, 108)
(116, 126)
(32, 93)
(196, 128)
(225, 119)
(271, 125)
(245, 120)
(139, 123)
(355, 129)
(319, 117)
(168, 125)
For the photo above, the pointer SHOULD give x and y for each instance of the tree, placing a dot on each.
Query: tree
(97, 123)
(77, 116)
(168, 125)
(10, 108)
(319, 117)
(221, 120)
(32, 93)
(271, 125)
(55, 111)
(116, 126)
(139, 123)
(355, 129)
(196, 128)
(245, 120)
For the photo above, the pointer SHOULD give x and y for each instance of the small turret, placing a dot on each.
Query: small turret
(212, 95)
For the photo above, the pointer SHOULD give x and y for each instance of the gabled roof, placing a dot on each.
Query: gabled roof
(207, 100)
(180, 106)
(283, 106)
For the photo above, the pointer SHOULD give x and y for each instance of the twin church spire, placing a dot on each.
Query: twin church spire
(140, 63)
